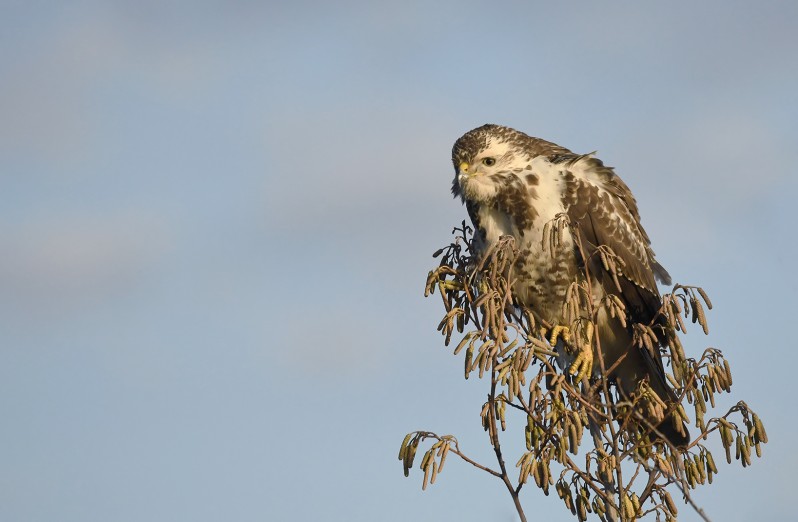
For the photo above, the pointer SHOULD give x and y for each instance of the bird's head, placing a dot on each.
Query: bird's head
(483, 158)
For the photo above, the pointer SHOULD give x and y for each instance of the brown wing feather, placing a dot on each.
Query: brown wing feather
(607, 214)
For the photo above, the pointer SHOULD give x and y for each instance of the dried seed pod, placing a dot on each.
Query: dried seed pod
(738, 447)
(573, 440)
(710, 462)
(545, 475)
(503, 369)
(604, 261)
(603, 471)
(537, 474)
(666, 497)
(691, 475)
(700, 468)
(705, 297)
(635, 502)
(410, 454)
(664, 465)
(667, 311)
(523, 474)
(718, 376)
(467, 337)
(426, 478)
(702, 319)
(469, 359)
(627, 508)
(444, 453)
(599, 507)
(425, 460)
(581, 508)
(403, 447)
(760, 429)
(727, 368)
(447, 303)
(678, 317)
(529, 356)
(726, 446)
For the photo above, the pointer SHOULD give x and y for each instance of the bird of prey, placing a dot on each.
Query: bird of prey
(514, 184)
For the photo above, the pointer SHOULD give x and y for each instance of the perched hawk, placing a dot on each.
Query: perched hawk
(513, 184)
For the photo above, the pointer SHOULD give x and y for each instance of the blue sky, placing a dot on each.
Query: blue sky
(217, 219)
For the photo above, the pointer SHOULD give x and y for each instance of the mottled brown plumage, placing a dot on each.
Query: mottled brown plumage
(514, 184)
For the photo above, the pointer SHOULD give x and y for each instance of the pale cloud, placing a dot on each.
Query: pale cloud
(46, 97)
(335, 343)
(62, 264)
(354, 166)
(54, 96)
(739, 153)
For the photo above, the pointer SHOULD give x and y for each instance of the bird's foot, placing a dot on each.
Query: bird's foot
(581, 344)
(559, 332)
(583, 364)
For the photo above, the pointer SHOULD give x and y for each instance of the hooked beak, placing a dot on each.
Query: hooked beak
(463, 168)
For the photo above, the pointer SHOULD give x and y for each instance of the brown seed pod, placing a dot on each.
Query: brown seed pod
(403, 447)
(705, 297)
(702, 319)
(760, 429)
(672, 509)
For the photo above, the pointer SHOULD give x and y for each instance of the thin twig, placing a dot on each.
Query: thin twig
(474, 463)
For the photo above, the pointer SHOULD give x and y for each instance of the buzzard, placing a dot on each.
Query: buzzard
(514, 184)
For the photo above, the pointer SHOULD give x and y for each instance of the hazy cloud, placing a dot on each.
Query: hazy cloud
(63, 264)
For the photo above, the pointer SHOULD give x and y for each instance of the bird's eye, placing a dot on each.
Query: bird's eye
(489, 162)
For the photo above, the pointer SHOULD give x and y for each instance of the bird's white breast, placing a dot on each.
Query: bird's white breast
(545, 197)
(539, 268)
(495, 224)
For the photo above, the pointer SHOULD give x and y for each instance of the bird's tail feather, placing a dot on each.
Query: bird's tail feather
(638, 365)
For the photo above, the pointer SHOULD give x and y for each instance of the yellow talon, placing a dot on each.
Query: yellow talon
(583, 364)
(560, 332)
